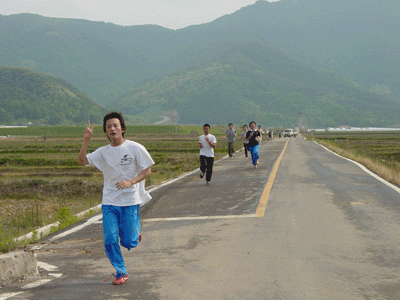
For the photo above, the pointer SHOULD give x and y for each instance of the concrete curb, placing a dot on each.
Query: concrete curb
(17, 265)
(41, 232)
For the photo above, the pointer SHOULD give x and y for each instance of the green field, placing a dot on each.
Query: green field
(382, 146)
(41, 181)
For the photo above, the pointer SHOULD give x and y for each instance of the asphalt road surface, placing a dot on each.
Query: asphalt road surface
(329, 231)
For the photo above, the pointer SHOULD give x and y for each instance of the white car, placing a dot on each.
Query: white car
(288, 133)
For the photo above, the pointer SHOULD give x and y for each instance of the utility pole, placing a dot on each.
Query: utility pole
(301, 121)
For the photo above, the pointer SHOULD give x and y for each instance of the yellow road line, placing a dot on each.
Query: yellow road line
(267, 190)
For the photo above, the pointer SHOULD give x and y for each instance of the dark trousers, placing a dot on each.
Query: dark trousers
(206, 165)
(231, 148)
(246, 149)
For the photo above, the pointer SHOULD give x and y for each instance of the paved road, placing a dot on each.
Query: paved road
(330, 231)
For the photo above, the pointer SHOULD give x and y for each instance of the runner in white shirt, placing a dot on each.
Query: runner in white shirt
(207, 144)
(124, 164)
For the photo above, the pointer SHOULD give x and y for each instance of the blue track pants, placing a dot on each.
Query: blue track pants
(254, 154)
(120, 224)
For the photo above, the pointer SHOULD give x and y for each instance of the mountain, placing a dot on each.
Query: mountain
(26, 95)
(254, 81)
(102, 60)
(357, 39)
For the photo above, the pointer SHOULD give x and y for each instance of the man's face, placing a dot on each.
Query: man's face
(114, 130)
(206, 130)
(230, 126)
(253, 126)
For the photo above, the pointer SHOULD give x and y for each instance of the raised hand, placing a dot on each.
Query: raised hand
(87, 135)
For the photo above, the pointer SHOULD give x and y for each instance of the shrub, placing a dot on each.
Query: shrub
(65, 217)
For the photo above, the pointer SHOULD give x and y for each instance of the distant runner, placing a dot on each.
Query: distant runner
(230, 134)
(207, 143)
(254, 136)
(261, 132)
(245, 140)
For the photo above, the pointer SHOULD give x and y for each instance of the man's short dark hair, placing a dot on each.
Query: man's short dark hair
(230, 124)
(252, 123)
(207, 125)
(244, 126)
(114, 115)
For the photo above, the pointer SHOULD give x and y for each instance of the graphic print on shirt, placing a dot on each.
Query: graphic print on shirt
(126, 160)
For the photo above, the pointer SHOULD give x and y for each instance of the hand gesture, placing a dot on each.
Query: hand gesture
(87, 135)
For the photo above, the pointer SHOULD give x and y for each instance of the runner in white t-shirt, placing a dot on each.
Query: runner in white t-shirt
(124, 164)
(207, 144)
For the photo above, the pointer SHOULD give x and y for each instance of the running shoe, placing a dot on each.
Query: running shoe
(201, 174)
(120, 280)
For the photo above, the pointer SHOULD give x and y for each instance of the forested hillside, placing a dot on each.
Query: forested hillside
(102, 60)
(354, 39)
(256, 82)
(357, 39)
(27, 96)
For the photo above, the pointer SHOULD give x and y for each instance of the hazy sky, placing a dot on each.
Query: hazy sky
(167, 13)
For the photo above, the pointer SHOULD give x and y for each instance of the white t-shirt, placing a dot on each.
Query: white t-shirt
(243, 136)
(207, 150)
(123, 162)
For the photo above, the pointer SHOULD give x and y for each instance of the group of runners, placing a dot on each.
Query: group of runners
(125, 165)
(251, 142)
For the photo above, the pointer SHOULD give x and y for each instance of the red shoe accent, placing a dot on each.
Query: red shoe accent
(140, 237)
(121, 280)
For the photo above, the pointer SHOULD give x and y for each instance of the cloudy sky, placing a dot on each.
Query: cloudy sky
(172, 14)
